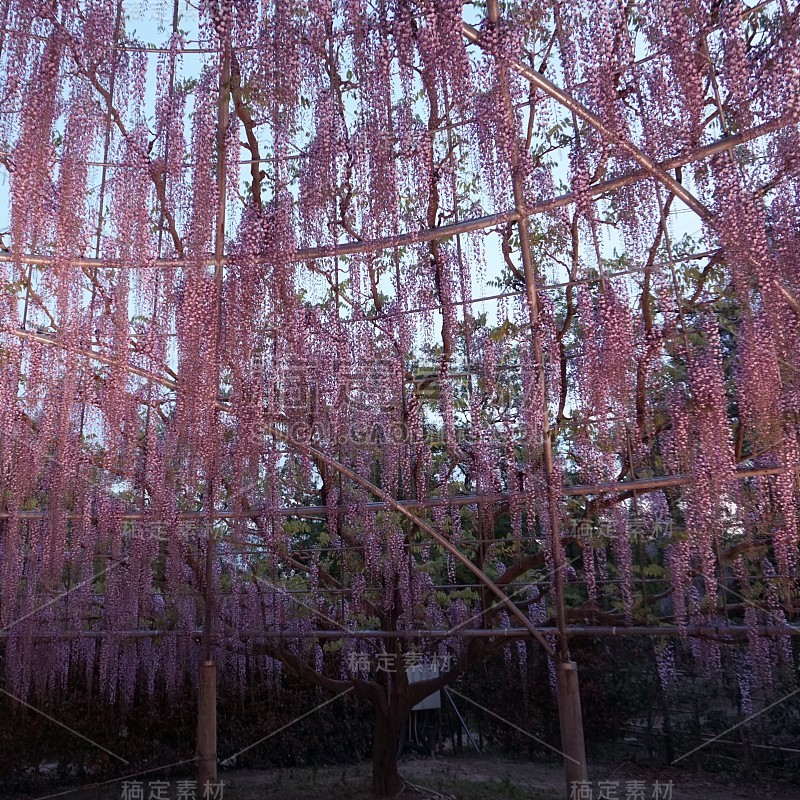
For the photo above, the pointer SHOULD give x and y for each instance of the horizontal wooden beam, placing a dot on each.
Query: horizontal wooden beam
(443, 231)
(469, 633)
(578, 490)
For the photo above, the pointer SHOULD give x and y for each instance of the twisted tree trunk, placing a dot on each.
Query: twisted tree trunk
(386, 780)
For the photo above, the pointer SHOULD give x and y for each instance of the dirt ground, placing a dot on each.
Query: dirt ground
(490, 779)
(452, 778)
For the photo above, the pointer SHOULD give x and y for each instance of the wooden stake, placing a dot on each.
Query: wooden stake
(207, 726)
(571, 721)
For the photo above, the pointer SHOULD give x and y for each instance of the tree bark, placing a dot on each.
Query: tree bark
(386, 780)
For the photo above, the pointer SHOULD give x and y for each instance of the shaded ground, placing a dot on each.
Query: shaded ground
(449, 778)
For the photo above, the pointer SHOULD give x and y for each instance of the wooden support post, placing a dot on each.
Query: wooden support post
(569, 700)
(207, 726)
(571, 721)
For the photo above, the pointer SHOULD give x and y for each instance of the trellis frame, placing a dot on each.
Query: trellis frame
(519, 215)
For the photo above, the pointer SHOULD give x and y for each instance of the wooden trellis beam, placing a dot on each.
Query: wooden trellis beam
(446, 231)
(573, 631)
(579, 490)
